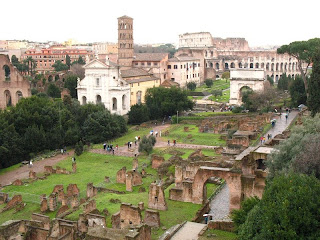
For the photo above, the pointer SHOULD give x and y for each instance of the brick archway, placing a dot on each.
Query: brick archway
(232, 179)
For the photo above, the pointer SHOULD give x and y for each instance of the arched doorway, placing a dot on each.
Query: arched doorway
(251, 65)
(244, 90)
(233, 180)
(98, 99)
(84, 100)
(232, 65)
(114, 104)
(56, 77)
(124, 100)
(50, 78)
(257, 65)
(226, 65)
(19, 95)
(217, 66)
(240, 65)
(7, 96)
(6, 72)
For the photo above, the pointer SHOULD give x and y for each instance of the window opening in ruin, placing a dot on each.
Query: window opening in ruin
(84, 100)
(6, 72)
(7, 96)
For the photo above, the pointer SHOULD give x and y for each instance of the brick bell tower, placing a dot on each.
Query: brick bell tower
(125, 42)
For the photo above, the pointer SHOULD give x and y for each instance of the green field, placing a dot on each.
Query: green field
(220, 84)
(177, 132)
(93, 168)
(224, 98)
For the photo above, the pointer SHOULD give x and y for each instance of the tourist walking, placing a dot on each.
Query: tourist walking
(169, 142)
(287, 117)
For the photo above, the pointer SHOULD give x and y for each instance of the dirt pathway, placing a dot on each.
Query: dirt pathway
(38, 167)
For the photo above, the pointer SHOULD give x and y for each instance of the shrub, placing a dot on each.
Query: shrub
(209, 82)
(145, 145)
(191, 86)
(78, 148)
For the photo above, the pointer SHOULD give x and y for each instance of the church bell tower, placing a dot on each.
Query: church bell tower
(125, 42)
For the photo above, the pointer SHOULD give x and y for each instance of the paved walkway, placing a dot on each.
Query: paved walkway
(189, 231)
(281, 124)
(219, 206)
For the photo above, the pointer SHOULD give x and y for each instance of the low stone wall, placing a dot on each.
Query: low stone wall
(226, 225)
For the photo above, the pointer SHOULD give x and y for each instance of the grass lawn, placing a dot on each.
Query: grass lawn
(224, 98)
(129, 136)
(220, 84)
(178, 133)
(93, 167)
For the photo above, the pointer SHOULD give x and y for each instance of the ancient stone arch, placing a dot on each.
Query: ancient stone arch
(240, 78)
(233, 180)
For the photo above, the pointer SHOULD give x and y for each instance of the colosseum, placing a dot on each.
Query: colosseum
(218, 55)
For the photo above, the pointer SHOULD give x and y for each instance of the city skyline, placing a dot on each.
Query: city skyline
(275, 23)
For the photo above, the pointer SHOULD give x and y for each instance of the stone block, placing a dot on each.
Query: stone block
(156, 197)
(152, 218)
(121, 175)
(156, 161)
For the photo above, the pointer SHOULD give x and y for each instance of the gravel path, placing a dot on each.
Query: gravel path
(220, 204)
(189, 231)
(38, 166)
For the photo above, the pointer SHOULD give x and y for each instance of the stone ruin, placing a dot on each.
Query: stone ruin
(152, 218)
(32, 175)
(72, 190)
(74, 167)
(156, 161)
(91, 190)
(89, 207)
(130, 178)
(17, 182)
(14, 202)
(135, 163)
(50, 170)
(121, 175)
(129, 215)
(156, 197)
(52, 202)
(244, 176)
(4, 198)
(43, 203)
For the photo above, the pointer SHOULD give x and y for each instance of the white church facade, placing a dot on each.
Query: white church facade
(103, 84)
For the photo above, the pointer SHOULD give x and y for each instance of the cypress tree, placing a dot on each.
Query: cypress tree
(314, 85)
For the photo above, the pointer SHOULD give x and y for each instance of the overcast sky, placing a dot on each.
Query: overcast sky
(271, 22)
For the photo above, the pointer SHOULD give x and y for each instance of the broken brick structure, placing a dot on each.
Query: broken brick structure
(121, 175)
(12, 84)
(129, 215)
(156, 161)
(91, 190)
(32, 174)
(152, 218)
(245, 177)
(72, 190)
(156, 197)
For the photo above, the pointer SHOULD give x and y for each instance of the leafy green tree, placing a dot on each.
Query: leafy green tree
(284, 81)
(30, 66)
(34, 91)
(314, 83)
(152, 139)
(101, 126)
(71, 84)
(226, 75)
(209, 82)
(163, 102)
(145, 145)
(78, 148)
(239, 216)
(68, 61)
(289, 209)
(216, 93)
(297, 91)
(79, 61)
(191, 86)
(270, 79)
(303, 51)
(59, 66)
(286, 159)
(53, 91)
(138, 114)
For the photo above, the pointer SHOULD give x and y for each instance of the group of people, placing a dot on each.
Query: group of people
(63, 150)
(174, 142)
(109, 147)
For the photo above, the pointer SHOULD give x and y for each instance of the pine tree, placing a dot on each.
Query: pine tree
(314, 86)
